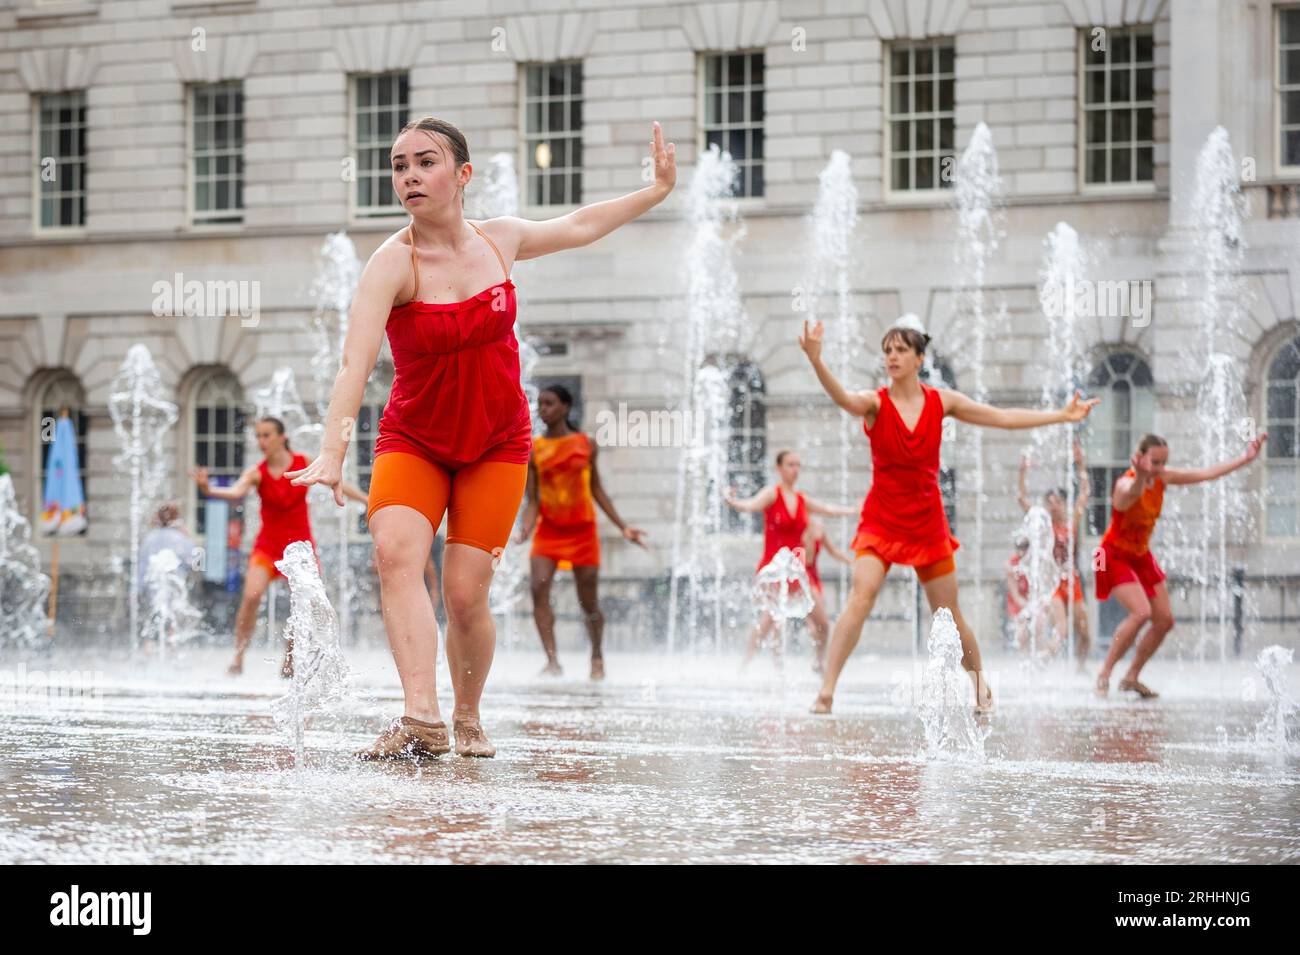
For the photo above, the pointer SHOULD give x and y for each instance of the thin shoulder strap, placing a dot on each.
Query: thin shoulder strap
(494, 248)
(415, 267)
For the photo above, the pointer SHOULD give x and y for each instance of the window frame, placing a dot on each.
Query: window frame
(892, 195)
(1292, 341)
(1138, 187)
(68, 231)
(359, 215)
(745, 201)
(521, 156)
(1275, 80)
(191, 174)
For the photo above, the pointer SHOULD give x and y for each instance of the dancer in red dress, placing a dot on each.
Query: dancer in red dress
(284, 520)
(456, 434)
(1017, 581)
(785, 525)
(1124, 564)
(1066, 532)
(903, 520)
(563, 485)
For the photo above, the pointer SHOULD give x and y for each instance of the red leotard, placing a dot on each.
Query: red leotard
(456, 395)
(902, 517)
(781, 528)
(284, 511)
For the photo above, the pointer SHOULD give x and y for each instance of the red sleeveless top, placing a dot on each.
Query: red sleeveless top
(781, 528)
(564, 479)
(456, 395)
(284, 510)
(1130, 531)
(902, 517)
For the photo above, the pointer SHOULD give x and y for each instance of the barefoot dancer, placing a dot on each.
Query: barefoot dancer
(902, 517)
(563, 482)
(1065, 532)
(284, 520)
(1124, 563)
(785, 525)
(456, 433)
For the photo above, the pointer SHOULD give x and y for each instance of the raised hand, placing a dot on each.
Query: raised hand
(327, 470)
(1253, 449)
(1079, 407)
(634, 534)
(665, 159)
(1141, 463)
(811, 339)
(200, 476)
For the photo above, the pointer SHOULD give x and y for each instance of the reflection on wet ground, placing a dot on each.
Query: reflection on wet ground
(681, 760)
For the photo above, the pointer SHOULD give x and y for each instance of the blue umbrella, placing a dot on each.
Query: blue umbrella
(65, 500)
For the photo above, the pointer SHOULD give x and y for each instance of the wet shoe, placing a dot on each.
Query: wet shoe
(552, 668)
(235, 669)
(409, 738)
(471, 740)
(821, 705)
(597, 668)
(1138, 687)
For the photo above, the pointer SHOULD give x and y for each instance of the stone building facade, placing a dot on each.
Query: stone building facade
(223, 139)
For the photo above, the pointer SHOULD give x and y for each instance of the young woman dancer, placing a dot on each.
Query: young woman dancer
(1124, 564)
(563, 483)
(786, 525)
(284, 520)
(902, 517)
(1070, 592)
(456, 433)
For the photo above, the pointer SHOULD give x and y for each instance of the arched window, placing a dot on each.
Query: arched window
(61, 390)
(747, 464)
(217, 421)
(1282, 451)
(373, 400)
(1123, 381)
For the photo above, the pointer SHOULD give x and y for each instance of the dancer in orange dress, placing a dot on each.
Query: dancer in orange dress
(902, 517)
(456, 434)
(1124, 564)
(563, 483)
(786, 525)
(284, 520)
(1065, 533)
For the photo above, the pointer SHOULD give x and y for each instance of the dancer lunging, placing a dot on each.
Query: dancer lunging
(563, 484)
(1124, 564)
(902, 517)
(456, 433)
(284, 520)
(785, 524)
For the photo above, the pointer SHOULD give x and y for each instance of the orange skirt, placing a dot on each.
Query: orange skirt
(577, 545)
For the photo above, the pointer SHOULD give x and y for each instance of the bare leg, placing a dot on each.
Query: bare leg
(471, 634)
(1082, 636)
(542, 573)
(868, 576)
(431, 582)
(402, 538)
(821, 629)
(585, 579)
(256, 581)
(942, 592)
(1060, 625)
(1133, 599)
(1162, 621)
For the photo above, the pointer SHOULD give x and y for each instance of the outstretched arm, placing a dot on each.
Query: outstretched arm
(830, 510)
(1022, 494)
(859, 404)
(759, 502)
(1215, 471)
(597, 219)
(974, 412)
(634, 534)
(247, 481)
(380, 283)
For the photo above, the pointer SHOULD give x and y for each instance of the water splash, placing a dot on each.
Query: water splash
(333, 290)
(1044, 576)
(321, 678)
(142, 416)
(977, 192)
(714, 341)
(1272, 731)
(1219, 208)
(781, 589)
(172, 619)
(24, 590)
(947, 711)
(832, 225)
(280, 399)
